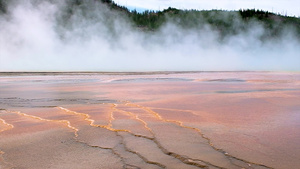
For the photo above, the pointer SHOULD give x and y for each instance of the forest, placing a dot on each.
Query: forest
(227, 23)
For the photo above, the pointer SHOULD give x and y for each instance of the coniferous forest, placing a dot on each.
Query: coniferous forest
(222, 21)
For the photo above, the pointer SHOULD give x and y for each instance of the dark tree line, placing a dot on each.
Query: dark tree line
(225, 22)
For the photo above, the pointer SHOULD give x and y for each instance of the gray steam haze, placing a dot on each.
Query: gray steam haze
(35, 37)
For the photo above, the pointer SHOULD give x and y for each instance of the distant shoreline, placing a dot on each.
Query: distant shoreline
(125, 73)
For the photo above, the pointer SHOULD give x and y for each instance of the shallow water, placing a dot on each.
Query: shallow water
(162, 120)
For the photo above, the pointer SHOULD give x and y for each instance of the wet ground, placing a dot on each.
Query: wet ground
(150, 120)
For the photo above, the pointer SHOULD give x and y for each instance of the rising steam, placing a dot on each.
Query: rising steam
(35, 36)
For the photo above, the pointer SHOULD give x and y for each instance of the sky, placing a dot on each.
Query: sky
(284, 7)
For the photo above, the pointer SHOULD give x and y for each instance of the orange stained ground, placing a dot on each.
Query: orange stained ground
(167, 120)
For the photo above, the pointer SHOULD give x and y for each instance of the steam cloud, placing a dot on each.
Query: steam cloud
(35, 37)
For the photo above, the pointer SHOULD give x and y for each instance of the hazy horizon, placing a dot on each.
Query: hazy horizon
(289, 8)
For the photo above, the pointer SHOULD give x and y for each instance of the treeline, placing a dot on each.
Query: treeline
(225, 22)
(249, 13)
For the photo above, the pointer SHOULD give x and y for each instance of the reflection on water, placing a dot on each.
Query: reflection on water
(177, 120)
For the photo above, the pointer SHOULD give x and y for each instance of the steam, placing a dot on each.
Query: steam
(34, 36)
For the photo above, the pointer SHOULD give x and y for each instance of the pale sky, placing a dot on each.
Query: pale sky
(289, 7)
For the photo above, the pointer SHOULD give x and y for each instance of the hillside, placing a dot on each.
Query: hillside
(224, 22)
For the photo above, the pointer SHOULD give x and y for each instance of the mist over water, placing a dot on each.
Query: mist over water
(35, 36)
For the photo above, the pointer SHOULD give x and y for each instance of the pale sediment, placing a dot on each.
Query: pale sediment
(163, 123)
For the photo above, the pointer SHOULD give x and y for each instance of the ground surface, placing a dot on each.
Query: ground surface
(144, 120)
